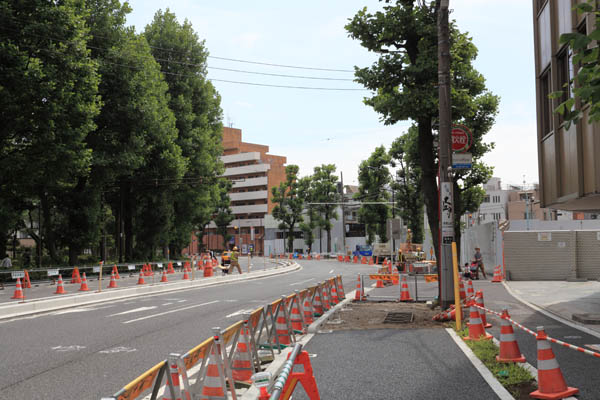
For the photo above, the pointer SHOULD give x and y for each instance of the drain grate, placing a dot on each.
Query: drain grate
(398, 318)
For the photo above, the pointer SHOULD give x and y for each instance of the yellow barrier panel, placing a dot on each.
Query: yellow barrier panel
(231, 331)
(197, 353)
(142, 383)
(457, 305)
(383, 277)
(255, 317)
(431, 278)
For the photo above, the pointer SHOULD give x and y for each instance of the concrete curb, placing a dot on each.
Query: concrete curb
(551, 314)
(19, 309)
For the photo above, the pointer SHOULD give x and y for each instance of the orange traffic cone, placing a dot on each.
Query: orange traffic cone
(325, 299)
(296, 318)
(497, 274)
(26, 281)
(476, 330)
(404, 292)
(308, 312)
(185, 275)
(509, 348)
(116, 272)
(241, 366)
(173, 386)
(164, 277)
(317, 305)
(379, 284)
(396, 279)
(461, 290)
(141, 279)
(18, 291)
(212, 388)
(281, 330)
(113, 282)
(479, 302)
(470, 290)
(359, 294)
(60, 289)
(84, 286)
(551, 383)
(75, 277)
(170, 269)
(334, 295)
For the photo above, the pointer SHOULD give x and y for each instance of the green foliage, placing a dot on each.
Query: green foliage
(324, 188)
(585, 86)
(306, 189)
(288, 204)
(373, 176)
(223, 214)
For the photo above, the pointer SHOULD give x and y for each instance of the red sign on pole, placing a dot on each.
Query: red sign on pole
(462, 138)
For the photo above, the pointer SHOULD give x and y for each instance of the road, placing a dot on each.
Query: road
(88, 352)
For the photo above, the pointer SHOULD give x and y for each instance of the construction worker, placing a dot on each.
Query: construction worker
(479, 260)
(234, 260)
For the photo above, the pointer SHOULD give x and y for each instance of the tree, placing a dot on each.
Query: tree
(306, 189)
(373, 176)
(223, 214)
(288, 204)
(196, 106)
(325, 191)
(404, 80)
(48, 101)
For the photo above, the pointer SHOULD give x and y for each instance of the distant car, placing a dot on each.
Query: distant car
(363, 250)
(226, 257)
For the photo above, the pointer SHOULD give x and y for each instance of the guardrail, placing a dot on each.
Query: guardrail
(232, 355)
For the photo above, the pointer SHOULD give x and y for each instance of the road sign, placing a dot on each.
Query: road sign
(447, 220)
(462, 139)
(462, 160)
(96, 270)
(52, 272)
(18, 274)
(131, 267)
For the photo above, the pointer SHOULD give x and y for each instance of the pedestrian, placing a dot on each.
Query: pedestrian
(234, 260)
(5, 263)
(479, 261)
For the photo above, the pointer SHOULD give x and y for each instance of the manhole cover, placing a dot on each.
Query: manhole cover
(398, 318)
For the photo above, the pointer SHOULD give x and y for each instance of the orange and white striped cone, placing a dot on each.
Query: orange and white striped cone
(551, 383)
(241, 366)
(470, 290)
(164, 277)
(404, 292)
(170, 269)
(308, 312)
(334, 295)
(326, 304)
(317, 305)
(340, 288)
(212, 388)
(396, 279)
(141, 279)
(476, 330)
(461, 290)
(359, 294)
(60, 288)
(75, 277)
(26, 280)
(185, 276)
(379, 284)
(84, 286)
(19, 290)
(281, 330)
(296, 318)
(509, 348)
(174, 388)
(479, 302)
(497, 274)
(116, 272)
(113, 282)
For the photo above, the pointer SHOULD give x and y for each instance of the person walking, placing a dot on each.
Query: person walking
(479, 260)
(234, 260)
(6, 264)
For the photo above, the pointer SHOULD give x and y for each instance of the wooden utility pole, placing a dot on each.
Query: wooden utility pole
(445, 158)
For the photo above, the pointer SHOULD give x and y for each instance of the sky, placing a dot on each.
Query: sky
(313, 127)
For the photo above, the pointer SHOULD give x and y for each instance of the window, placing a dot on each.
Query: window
(496, 199)
(486, 199)
(565, 74)
(545, 104)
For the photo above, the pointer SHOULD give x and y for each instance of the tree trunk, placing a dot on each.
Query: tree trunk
(328, 230)
(128, 220)
(73, 255)
(291, 240)
(49, 237)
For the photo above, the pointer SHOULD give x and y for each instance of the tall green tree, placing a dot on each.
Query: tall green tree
(306, 189)
(288, 204)
(404, 81)
(223, 214)
(325, 191)
(373, 176)
(196, 106)
(48, 101)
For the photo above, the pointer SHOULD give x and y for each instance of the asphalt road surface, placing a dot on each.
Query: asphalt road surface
(90, 352)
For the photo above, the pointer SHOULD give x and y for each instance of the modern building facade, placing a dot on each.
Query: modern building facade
(568, 158)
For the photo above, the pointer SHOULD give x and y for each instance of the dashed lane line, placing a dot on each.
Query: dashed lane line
(133, 311)
(170, 312)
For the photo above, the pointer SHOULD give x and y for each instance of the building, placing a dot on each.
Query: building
(568, 158)
(253, 172)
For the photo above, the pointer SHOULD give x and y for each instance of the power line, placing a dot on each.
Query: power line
(279, 65)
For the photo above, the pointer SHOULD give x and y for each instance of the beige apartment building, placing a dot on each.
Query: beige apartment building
(569, 159)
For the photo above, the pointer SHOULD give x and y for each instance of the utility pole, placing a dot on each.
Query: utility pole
(343, 215)
(445, 162)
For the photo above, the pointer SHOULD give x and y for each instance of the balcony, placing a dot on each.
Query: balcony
(241, 157)
(256, 195)
(261, 181)
(247, 169)
(253, 209)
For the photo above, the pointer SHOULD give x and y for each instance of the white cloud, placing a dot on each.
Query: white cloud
(246, 40)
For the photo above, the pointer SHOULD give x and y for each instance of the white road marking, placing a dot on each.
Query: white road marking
(166, 304)
(73, 347)
(301, 282)
(170, 311)
(181, 301)
(240, 312)
(331, 272)
(134, 310)
(119, 349)
(77, 310)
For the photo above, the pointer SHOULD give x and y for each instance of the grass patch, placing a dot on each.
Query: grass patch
(516, 379)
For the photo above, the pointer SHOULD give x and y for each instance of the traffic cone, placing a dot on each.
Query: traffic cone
(212, 387)
(479, 302)
(497, 274)
(461, 289)
(174, 386)
(379, 284)
(551, 383)
(317, 305)
(296, 318)
(18, 291)
(113, 282)
(404, 292)
(470, 290)
(281, 330)
(359, 294)
(75, 277)
(395, 279)
(60, 289)
(509, 348)
(170, 269)
(164, 277)
(185, 276)
(340, 288)
(308, 312)
(325, 299)
(84, 286)
(476, 329)
(26, 281)
(141, 279)
(116, 272)
(334, 295)
(241, 366)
